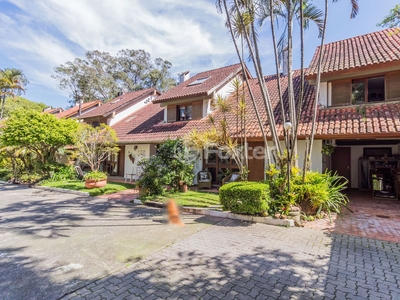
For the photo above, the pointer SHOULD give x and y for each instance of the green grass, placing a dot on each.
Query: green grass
(78, 185)
(191, 198)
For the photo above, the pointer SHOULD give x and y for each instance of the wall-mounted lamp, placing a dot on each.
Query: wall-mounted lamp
(135, 148)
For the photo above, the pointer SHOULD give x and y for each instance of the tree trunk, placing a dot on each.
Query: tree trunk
(307, 166)
(3, 100)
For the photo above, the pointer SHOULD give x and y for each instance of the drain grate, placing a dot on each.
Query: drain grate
(383, 217)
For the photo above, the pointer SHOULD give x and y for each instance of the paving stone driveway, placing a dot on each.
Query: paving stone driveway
(240, 260)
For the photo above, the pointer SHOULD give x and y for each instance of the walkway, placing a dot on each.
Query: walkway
(372, 218)
(234, 260)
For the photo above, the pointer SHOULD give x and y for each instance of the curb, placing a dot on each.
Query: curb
(226, 215)
(59, 190)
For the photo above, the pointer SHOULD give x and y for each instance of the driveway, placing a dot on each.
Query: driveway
(54, 243)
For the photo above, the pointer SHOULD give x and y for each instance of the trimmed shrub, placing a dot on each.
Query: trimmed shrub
(245, 197)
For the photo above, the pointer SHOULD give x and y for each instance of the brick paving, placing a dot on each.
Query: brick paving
(239, 260)
(372, 218)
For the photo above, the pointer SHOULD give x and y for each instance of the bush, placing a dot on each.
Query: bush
(245, 197)
(64, 173)
(320, 192)
(95, 175)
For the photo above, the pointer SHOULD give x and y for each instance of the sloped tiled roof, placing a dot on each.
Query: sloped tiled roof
(147, 125)
(53, 111)
(119, 102)
(73, 111)
(376, 120)
(215, 79)
(364, 50)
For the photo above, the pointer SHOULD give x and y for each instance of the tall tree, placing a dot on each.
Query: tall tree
(12, 83)
(102, 76)
(14, 103)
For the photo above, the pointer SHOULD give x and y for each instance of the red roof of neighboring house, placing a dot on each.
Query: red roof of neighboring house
(364, 50)
(74, 111)
(147, 125)
(53, 111)
(119, 102)
(213, 80)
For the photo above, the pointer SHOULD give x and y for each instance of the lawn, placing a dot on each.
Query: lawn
(78, 185)
(191, 198)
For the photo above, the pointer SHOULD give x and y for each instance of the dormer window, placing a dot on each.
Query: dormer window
(198, 81)
(184, 113)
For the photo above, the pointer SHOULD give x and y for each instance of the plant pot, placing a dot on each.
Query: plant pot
(184, 188)
(93, 183)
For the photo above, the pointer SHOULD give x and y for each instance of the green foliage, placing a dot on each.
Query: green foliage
(30, 177)
(95, 144)
(78, 185)
(393, 19)
(15, 103)
(320, 192)
(101, 75)
(95, 175)
(167, 167)
(245, 197)
(190, 198)
(5, 174)
(40, 134)
(64, 173)
(327, 149)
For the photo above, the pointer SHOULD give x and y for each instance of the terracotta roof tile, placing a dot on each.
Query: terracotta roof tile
(369, 49)
(147, 125)
(119, 102)
(73, 111)
(215, 78)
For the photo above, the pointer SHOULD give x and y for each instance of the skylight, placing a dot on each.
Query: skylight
(198, 81)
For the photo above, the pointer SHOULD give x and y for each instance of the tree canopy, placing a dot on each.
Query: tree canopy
(12, 83)
(43, 134)
(14, 103)
(101, 75)
(392, 19)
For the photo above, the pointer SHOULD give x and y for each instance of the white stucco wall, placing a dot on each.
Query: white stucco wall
(316, 155)
(129, 110)
(142, 151)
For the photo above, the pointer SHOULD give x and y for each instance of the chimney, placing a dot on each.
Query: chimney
(285, 69)
(184, 76)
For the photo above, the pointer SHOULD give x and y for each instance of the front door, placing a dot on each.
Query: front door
(341, 162)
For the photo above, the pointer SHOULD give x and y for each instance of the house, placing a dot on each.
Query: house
(360, 108)
(53, 111)
(174, 114)
(114, 111)
(73, 112)
(358, 113)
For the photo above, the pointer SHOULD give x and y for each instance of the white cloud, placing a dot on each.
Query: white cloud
(46, 33)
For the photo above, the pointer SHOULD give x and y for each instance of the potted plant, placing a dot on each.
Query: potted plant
(95, 179)
(185, 178)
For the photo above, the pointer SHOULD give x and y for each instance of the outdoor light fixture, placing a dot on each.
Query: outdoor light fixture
(287, 125)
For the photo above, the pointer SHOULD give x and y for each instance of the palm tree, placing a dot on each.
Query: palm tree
(12, 82)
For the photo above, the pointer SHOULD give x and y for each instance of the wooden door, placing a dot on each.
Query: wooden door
(341, 162)
(256, 161)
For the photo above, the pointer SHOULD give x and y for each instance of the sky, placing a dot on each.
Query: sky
(36, 36)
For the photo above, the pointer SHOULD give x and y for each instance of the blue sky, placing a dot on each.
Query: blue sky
(36, 36)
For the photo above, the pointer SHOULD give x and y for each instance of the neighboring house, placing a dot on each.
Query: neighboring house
(114, 111)
(53, 111)
(73, 112)
(360, 107)
(174, 114)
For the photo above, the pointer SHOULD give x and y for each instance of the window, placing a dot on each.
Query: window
(198, 81)
(368, 90)
(184, 113)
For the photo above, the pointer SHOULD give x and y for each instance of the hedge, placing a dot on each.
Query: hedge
(245, 197)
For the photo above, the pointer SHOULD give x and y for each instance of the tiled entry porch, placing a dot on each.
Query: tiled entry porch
(372, 218)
